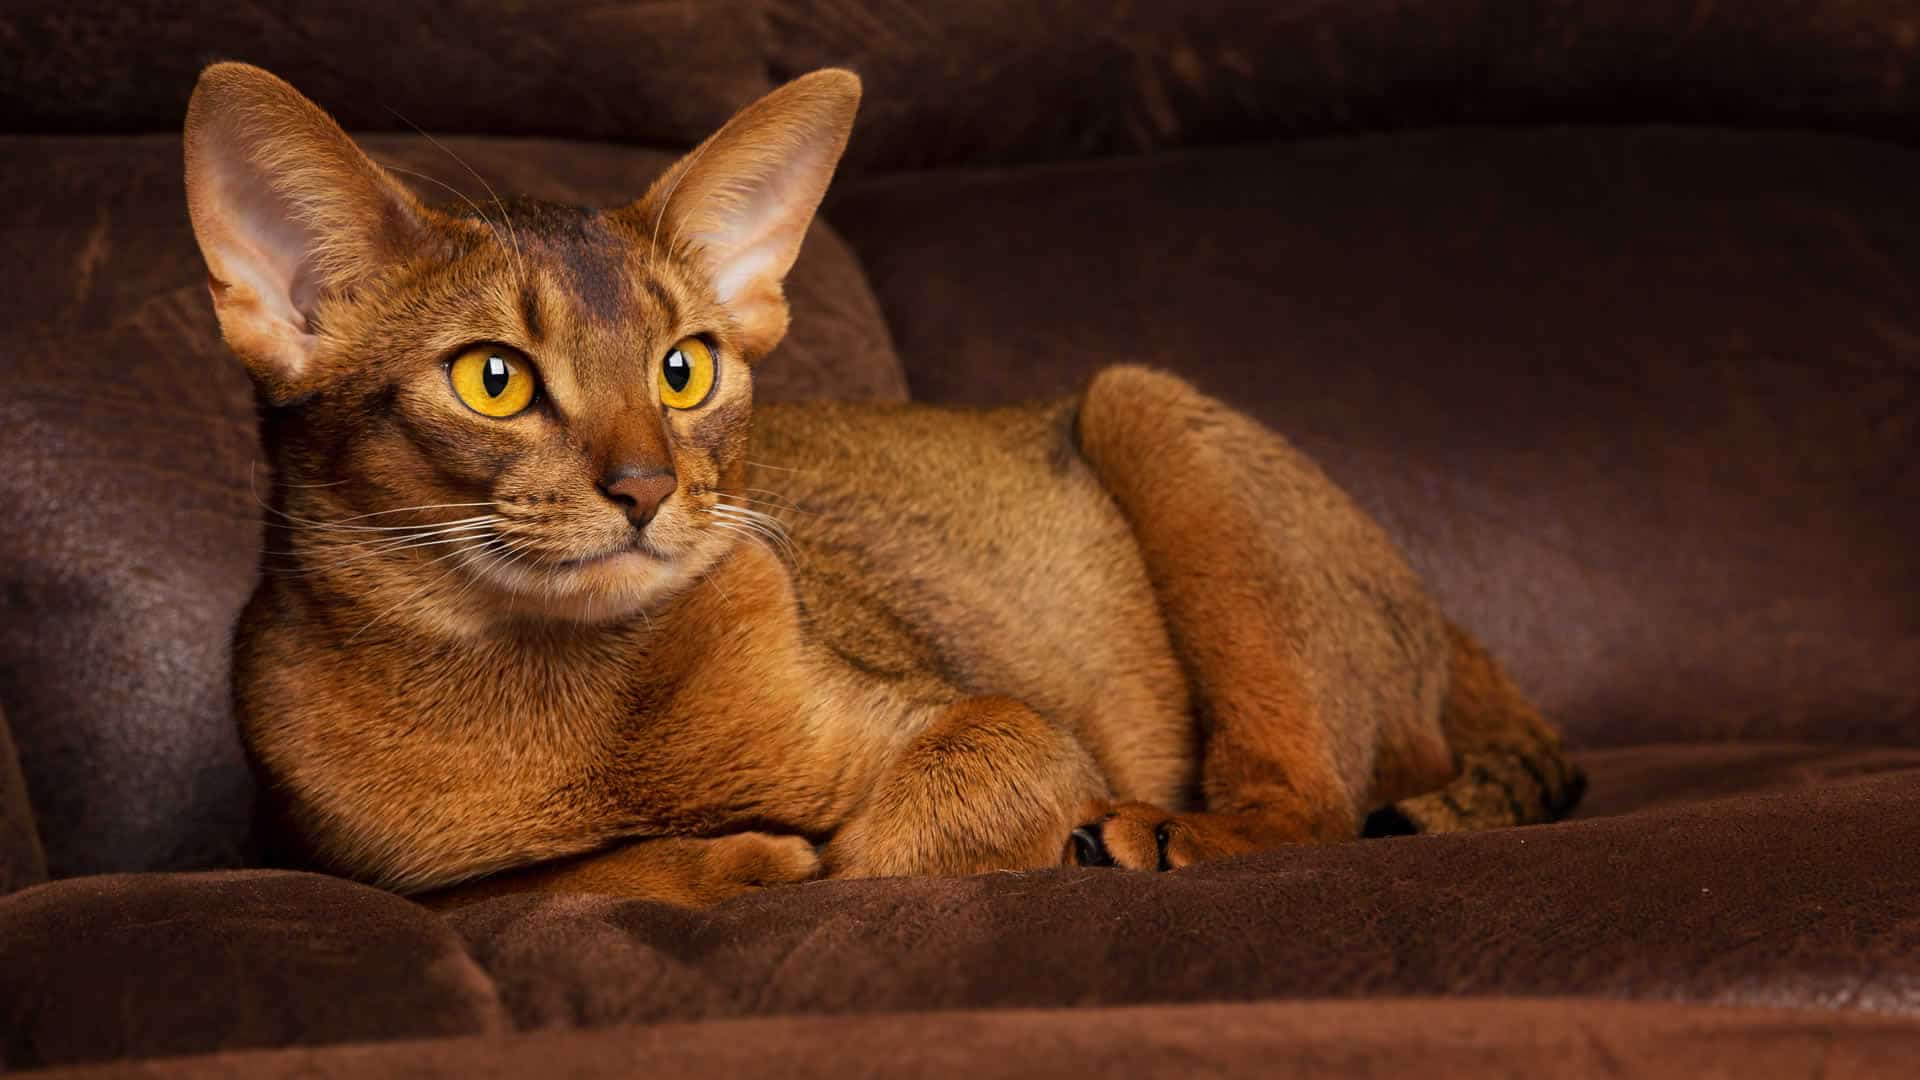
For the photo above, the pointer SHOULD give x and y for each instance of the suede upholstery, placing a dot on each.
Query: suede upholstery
(1393, 1037)
(22, 862)
(1629, 366)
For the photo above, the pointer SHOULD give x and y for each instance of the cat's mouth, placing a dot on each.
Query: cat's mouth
(611, 583)
(637, 547)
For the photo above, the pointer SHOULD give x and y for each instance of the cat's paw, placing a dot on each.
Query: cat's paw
(1141, 836)
(745, 862)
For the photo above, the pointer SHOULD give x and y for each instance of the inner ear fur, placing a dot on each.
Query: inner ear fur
(739, 204)
(287, 210)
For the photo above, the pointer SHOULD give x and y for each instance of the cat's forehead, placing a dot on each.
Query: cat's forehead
(587, 253)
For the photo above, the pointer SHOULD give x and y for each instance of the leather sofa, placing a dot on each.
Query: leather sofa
(1610, 312)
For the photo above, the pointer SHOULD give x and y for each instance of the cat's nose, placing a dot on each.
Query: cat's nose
(639, 492)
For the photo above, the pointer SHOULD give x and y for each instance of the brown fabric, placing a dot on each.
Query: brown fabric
(1388, 1038)
(128, 522)
(1787, 882)
(641, 71)
(1009, 81)
(98, 968)
(22, 863)
(984, 81)
(1640, 403)
(1799, 893)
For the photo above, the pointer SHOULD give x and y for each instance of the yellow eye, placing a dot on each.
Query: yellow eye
(493, 380)
(686, 374)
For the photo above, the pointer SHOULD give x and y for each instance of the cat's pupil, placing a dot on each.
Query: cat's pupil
(679, 372)
(494, 379)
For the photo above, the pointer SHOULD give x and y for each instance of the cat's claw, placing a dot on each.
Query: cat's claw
(1087, 848)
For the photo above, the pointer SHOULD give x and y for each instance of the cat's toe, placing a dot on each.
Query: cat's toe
(1131, 836)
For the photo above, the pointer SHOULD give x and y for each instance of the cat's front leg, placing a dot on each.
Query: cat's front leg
(989, 785)
(688, 871)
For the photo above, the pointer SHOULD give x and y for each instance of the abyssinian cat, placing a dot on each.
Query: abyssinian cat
(547, 621)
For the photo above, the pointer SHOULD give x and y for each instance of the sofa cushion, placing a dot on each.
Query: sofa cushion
(129, 526)
(1470, 1039)
(1739, 897)
(22, 862)
(146, 965)
(1000, 81)
(1792, 884)
(1639, 403)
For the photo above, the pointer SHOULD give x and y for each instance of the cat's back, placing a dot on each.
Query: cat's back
(978, 544)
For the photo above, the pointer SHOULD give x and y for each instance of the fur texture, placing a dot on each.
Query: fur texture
(1131, 628)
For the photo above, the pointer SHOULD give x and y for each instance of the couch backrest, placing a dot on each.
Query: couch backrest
(986, 81)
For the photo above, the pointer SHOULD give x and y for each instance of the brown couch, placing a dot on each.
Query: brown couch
(1611, 313)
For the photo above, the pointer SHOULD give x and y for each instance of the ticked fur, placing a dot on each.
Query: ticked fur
(1131, 627)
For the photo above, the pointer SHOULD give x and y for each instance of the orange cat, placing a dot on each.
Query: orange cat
(544, 619)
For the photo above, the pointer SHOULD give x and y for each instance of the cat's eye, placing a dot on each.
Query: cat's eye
(686, 374)
(493, 380)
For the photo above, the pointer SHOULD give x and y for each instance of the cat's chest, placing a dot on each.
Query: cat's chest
(706, 720)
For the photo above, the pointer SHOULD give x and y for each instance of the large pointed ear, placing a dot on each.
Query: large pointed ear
(740, 202)
(287, 210)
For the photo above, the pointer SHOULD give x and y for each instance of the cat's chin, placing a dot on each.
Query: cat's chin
(600, 589)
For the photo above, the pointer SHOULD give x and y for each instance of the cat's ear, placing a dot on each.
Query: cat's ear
(286, 209)
(742, 200)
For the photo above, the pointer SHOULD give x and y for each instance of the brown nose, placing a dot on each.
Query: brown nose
(639, 492)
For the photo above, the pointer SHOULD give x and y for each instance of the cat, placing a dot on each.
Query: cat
(558, 608)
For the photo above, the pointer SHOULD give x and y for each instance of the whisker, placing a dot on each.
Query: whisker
(440, 575)
(496, 550)
(776, 468)
(422, 506)
(765, 502)
(463, 196)
(519, 258)
(391, 549)
(312, 525)
(751, 535)
(764, 524)
(382, 544)
(287, 484)
(750, 512)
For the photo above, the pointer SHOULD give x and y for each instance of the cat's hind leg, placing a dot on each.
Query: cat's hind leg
(1316, 661)
(1512, 768)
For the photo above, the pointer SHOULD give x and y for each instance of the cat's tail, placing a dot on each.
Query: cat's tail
(1513, 768)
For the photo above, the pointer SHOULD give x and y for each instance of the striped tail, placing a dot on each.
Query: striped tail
(1513, 768)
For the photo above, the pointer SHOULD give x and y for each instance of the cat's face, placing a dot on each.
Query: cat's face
(575, 407)
(546, 406)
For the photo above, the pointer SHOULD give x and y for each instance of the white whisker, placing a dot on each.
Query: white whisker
(440, 575)
(463, 196)
(394, 547)
(519, 258)
(422, 506)
(765, 524)
(766, 502)
(776, 468)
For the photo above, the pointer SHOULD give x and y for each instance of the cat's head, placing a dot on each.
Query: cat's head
(542, 406)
